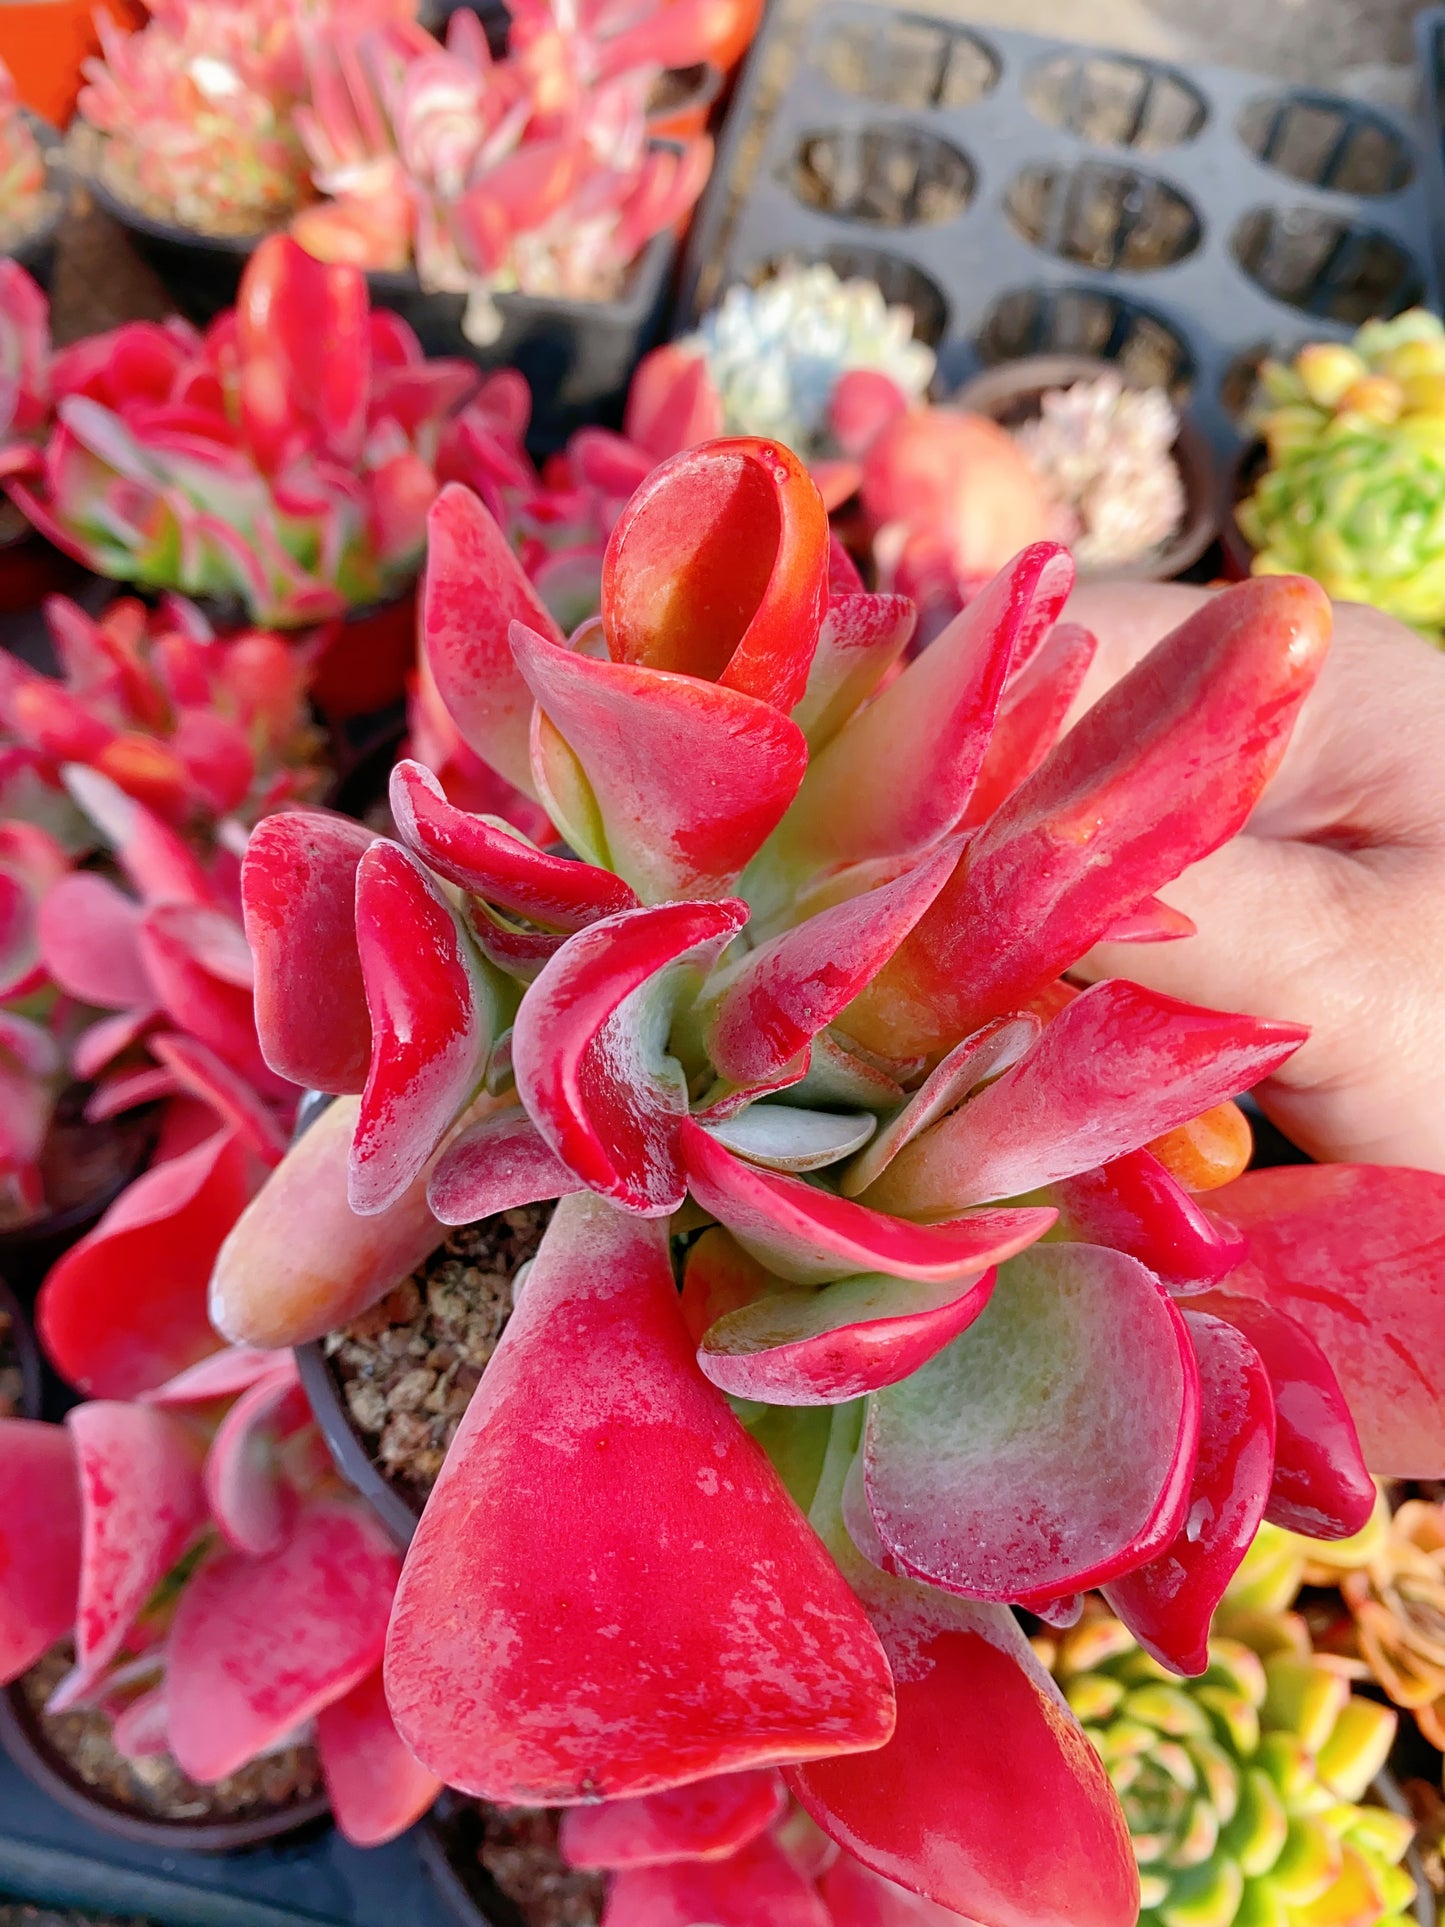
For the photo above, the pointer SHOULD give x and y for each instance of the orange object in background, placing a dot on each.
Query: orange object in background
(43, 42)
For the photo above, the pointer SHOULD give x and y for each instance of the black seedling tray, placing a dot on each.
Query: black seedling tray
(1430, 45)
(51, 1859)
(1026, 194)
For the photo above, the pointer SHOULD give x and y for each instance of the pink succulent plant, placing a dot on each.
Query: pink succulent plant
(286, 458)
(225, 1595)
(801, 990)
(22, 163)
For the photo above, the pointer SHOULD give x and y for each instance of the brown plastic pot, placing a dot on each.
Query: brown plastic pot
(395, 1510)
(23, 1341)
(1011, 393)
(23, 1738)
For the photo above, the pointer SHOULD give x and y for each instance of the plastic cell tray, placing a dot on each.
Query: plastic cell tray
(1027, 194)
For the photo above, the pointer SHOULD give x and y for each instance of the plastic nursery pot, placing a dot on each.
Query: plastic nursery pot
(19, 1356)
(33, 243)
(23, 1737)
(578, 356)
(449, 1842)
(683, 101)
(396, 1511)
(200, 272)
(43, 42)
(1011, 393)
(363, 769)
(365, 660)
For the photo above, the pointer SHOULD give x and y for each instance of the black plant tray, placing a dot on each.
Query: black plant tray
(51, 1859)
(1028, 194)
(1430, 46)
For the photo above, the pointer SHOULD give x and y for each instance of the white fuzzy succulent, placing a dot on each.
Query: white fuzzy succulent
(775, 353)
(1103, 451)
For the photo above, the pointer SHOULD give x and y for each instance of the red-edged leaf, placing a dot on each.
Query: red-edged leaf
(300, 1261)
(983, 1736)
(222, 1375)
(435, 1012)
(857, 1897)
(196, 1069)
(783, 1345)
(143, 1505)
(717, 569)
(551, 1533)
(782, 994)
(898, 775)
(298, 897)
(810, 1237)
(154, 857)
(304, 351)
(1169, 1603)
(1162, 770)
(259, 1646)
(1151, 922)
(1134, 1205)
(474, 590)
(671, 782)
(1118, 1066)
(39, 1541)
(125, 1308)
(759, 1883)
(1052, 1445)
(377, 1790)
(490, 859)
(1030, 716)
(861, 639)
(1356, 1255)
(200, 966)
(497, 1165)
(607, 1100)
(250, 1503)
(90, 943)
(709, 1820)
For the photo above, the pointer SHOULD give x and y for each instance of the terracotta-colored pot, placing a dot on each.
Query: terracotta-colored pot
(687, 115)
(1010, 394)
(43, 43)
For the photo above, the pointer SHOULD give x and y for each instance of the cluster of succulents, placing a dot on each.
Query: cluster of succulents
(24, 374)
(775, 353)
(225, 1596)
(284, 460)
(1102, 451)
(1354, 490)
(23, 173)
(967, 1269)
(536, 173)
(1242, 1786)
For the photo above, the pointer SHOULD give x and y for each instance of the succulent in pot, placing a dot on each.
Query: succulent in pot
(198, 1631)
(967, 1269)
(27, 203)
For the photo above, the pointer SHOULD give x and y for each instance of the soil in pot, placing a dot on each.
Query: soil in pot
(83, 1167)
(12, 1374)
(406, 1370)
(156, 1789)
(505, 1860)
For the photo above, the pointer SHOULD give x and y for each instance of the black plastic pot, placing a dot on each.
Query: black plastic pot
(1385, 1788)
(28, 1251)
(447, 1842)
(398, 1513)
(578, 356)
(35, 251)
(22, 1342)
(200, 272)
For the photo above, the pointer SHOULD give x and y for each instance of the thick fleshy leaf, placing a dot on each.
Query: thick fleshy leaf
(40, 1535)
(487, 857)
(1134, 1205)
(197, 1071)
(551, 1535)
(125, 1308)
(1168, 1604)
(1356, 1255)
(777, 999)
(1321, 1486)
(1162, 770)
(1117, 1067)
(1151, 922)
(898, 775)
(436, 1008)
(836, 1073)
(858, 1897)
(861, 639)
(589, 1048)
(304, 355)
(90, 942)
(222, 1375)
(717, 569)
(810, 1237)
(473, 591)
(781, 1137)
(685, 778)
(983, 1736)
(759, 1883)
(143, 1505)
(497, 1165)
(259, 1646)
(249, 1501)
(1035, 702)
(376, 1789)
(300, 1262)
(155, 858)
(199, 963)
(298, 897)
(708, 1820)
(995, 1048)
(785, 1345)
(1052, 1445)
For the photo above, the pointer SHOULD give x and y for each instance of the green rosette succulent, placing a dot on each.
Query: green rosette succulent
(1243, 1787)
(1354, 494)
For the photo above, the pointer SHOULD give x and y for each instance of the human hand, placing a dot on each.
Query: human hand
(1329, 907)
